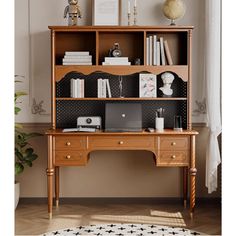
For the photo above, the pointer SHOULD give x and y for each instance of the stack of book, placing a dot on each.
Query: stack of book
(116, 61)
(104, 88)
(157, 51)
(77, 88)
(77, 58)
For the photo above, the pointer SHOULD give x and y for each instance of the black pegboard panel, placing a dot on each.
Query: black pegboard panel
(68, 111)
(130, 85)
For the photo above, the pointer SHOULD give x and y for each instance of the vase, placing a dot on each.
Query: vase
(173, 10)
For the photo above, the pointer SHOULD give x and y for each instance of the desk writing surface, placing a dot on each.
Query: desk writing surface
(101, 132)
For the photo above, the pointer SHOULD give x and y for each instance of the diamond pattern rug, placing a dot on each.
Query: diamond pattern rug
(123, 230)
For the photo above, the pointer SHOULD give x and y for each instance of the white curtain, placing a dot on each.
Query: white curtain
(213, 88)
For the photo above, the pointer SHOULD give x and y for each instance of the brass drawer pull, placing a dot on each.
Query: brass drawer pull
(121, 142)
(68, 143)
(68, 157)
(173, 156)
(173, 143)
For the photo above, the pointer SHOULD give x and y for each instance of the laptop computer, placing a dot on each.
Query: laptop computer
(123, 117)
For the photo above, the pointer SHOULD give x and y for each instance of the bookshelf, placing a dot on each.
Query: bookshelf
(170, 148)
(97, 40)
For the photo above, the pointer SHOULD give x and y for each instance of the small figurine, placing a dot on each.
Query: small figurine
(115, 51)
(73, 12)
(167, 79)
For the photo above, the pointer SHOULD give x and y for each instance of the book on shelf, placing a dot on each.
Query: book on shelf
(167, 51)
(77, 63)
(77, 58)
(101, 84)
(77, 88)
(67, 60)
(150, 49)
(147, 51)
(103, 88)
(116, 61)
(77, 53)
(147, 85)
(108, 88)
(163, 60)
(158, 54)
(154, 50)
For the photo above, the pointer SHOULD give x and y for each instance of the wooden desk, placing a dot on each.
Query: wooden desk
(169, 148)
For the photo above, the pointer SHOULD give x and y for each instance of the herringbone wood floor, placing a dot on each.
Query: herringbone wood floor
(31, 219)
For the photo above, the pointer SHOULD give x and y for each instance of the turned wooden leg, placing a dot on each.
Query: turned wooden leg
(57, 185)
(192, 172)
(185, 185)
(50, 173)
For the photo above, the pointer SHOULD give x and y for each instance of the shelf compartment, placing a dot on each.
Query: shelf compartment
(67, 111)
(130, 86)
(74, 41)
(177, 42)
(131, 45)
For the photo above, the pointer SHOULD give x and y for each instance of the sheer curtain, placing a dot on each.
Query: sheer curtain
(213, 88)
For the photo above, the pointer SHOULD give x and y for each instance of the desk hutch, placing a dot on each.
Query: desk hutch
(170, 148)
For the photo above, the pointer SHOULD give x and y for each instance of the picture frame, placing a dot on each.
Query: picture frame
(106, 12)
(147, 86)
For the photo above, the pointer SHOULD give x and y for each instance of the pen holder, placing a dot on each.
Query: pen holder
(159, 124)
(178, 123)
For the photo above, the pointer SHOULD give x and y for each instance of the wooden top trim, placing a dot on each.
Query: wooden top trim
(102, 133)
(126, 28)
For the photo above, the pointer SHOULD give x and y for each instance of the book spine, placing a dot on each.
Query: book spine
(158, 54)
(99, 88)
(77, 63)
(77, 53)
(147, 51)
(104, 89)
(76, 60)
(116, 63)
(154, 52)
(150, 50)
(77, 57)
(108, 88)
(82, 88)
(163, 61)
(78, 88)
(72, 95)
(168, 55)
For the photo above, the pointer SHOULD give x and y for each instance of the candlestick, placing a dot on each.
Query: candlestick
(135, 15)
(129, 23)
(129, 7)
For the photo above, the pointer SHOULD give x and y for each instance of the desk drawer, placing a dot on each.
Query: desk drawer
(173, 143)
(120, 142)
(70, 142)
(173, 158)
(70, 158)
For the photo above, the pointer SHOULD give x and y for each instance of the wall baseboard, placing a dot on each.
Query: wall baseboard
(131, 200)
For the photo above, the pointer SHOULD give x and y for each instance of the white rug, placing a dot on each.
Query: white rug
(123, 230)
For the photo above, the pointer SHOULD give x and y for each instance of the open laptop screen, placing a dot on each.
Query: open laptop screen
(123, 117)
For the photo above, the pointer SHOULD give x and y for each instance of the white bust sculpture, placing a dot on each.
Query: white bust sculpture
(167, 79)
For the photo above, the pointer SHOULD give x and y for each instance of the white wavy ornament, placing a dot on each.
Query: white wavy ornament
(174, 9)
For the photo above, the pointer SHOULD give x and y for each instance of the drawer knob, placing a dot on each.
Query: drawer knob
(121, 142)
(173, 156)
(173, 143)
(68, 143)
(68, 157)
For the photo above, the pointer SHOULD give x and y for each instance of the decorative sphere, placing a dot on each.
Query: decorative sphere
(174, 9)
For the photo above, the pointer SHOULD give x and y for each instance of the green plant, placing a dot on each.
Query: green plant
(24, 153)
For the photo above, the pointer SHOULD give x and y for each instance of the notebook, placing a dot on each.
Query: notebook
(123, 117)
